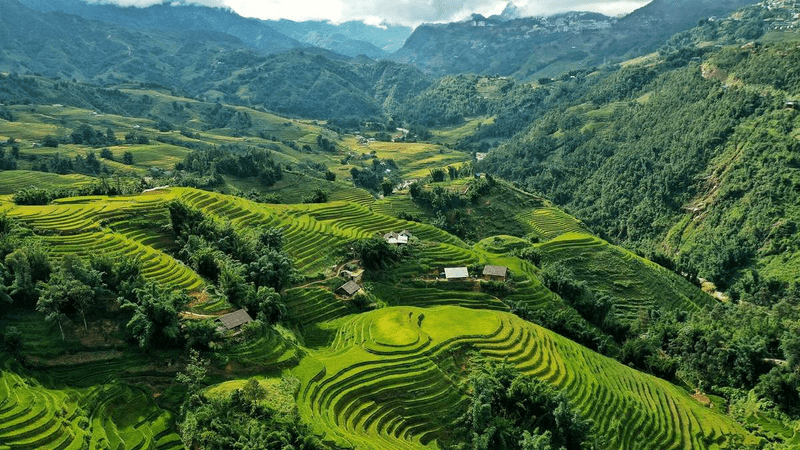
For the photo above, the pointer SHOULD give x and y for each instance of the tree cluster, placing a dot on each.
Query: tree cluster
(512, 411)
(233, 160)
(243, 418)
(248, 266)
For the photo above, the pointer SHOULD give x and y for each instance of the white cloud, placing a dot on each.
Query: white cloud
(405, 12)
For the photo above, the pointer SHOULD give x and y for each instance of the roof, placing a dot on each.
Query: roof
(397, 238)
(351, 287)
(456, 272)
(495, 271)
(235, 319)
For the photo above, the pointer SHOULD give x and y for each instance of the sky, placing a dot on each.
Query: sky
(400, 12)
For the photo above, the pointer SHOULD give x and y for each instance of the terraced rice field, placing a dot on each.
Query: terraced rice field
(314, 304)
(433, 294)
(12, 181)
(268, 352)
(635, 283)
(388, 372)
(313, 234)
(80, 226)
(32, 417)
(551, 222)
(395, 204)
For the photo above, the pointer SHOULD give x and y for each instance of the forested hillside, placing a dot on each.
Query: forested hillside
(202, 64)
(535, 47)
(691, 154)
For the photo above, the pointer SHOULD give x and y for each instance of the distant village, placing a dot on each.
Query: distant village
(785, 14)
(570, 23)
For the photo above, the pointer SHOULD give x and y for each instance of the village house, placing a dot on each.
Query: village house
(349, 289)
(495, 273)
(456, 273)
(234, 320)
(400, 238)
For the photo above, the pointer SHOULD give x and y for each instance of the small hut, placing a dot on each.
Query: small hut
(234, 320)
(349, 289)
(495, 273)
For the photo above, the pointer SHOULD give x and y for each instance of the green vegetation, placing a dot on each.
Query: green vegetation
(122, 273)
(376, 388)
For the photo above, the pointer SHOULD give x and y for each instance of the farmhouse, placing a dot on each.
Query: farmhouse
(456, 273)
(496, 273)
(234, 320)
(349, 289)
(397, 238)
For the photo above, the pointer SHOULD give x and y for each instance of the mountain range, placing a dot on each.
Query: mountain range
(529, 48)
(506, 44)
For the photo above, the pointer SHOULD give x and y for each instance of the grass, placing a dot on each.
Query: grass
(389, 371)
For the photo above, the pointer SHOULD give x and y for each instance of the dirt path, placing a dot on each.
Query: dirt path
(191, 315)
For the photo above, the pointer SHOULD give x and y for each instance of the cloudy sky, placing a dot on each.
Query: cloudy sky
(405, 12)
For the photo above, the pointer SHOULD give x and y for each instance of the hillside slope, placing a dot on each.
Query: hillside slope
(654, 156)
(529, 48)
(388, 372)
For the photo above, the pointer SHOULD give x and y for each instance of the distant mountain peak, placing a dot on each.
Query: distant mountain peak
(511, 12)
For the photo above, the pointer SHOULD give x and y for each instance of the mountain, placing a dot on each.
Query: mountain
(253, 32)
(689, 156)
(308, 82)
(529, 48)
(348, 38)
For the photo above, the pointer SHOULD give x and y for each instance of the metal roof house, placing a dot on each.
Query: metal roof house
(495, 272)
(235, 319)
(456, 273)
(349, 288)
(397, 238)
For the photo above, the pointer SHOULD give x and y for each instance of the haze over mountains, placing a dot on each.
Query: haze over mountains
(507, 44)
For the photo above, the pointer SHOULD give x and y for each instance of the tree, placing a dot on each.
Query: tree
(505, 404)
(437, 175)
(28, 265)
(11, 340)
(233, 284)
(387, 187)
(50, 141)
(272, 269)
(266, 304)
(271, 237)
(107, 154)
(63, 290)
(199, 334)
(376, 253)
(195, 374)
(127, 158)
(52, 306)
(155, 320)
(318, 196)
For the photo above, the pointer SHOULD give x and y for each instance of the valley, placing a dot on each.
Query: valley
(210, 243)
